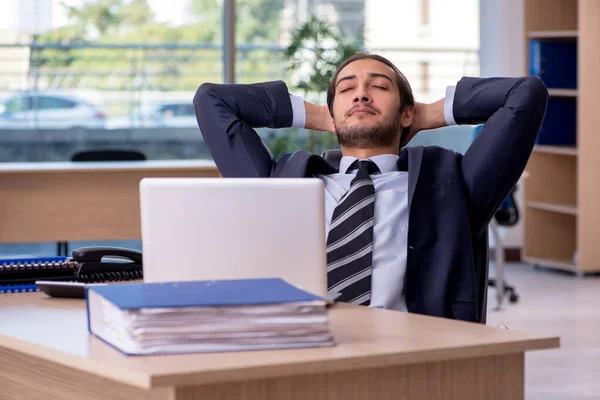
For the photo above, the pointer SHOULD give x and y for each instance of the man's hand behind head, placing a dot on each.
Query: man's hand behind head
(426, 116)
(318, 118)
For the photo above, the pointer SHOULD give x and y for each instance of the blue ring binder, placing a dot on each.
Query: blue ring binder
(18, 288)
(17, 275)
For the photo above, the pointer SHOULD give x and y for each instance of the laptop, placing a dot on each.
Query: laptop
(234, 228)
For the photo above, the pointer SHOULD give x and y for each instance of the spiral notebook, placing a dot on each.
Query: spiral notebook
(20, 274)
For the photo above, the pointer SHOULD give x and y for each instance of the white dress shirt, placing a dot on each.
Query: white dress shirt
(391, 213)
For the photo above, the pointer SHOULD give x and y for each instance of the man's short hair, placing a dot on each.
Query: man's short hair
(406, 94)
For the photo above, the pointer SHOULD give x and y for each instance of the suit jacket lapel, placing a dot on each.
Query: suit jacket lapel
(415, 156)
(318, 165)
(303, 164)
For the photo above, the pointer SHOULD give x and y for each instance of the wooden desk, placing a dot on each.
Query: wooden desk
(53, 202)
(46, 352)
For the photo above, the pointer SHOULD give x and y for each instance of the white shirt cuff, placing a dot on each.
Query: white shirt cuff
(299, 111)
(448, 102)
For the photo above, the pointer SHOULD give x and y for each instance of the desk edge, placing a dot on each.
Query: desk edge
(148, 379)
(340, 364)
(68, 360)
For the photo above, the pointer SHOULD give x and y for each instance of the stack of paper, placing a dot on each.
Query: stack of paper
(181, 317)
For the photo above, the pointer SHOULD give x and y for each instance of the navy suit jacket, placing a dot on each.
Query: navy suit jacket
(452, 197)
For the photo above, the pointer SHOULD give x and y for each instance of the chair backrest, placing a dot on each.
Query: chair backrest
(480, 251)
(333, 156)
(508, 212)
(108, 155)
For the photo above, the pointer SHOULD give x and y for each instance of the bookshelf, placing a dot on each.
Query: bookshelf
(562, 92)
(562, 190)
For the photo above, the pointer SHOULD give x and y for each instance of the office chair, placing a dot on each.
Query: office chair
(62, 248)
(108, 155)
(480, 251)
(506, 215)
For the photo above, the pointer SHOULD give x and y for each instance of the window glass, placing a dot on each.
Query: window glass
(18, 104)
(49, 103)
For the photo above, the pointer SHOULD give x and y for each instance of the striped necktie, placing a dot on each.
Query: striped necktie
(350, 239)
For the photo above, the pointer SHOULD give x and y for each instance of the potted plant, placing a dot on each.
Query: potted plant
(313, 55)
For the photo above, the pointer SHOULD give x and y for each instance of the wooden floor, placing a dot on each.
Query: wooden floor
(560, 304)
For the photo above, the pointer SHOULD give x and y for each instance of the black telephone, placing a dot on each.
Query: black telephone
(95, 265)
(120, 264)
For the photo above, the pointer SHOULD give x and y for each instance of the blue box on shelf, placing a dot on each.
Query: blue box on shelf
(554, 61)
(559, 127)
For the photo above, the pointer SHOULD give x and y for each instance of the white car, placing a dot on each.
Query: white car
(169, 115)
(49, 110)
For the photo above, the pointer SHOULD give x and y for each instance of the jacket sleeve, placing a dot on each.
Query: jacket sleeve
(513, 110)
(227, 115)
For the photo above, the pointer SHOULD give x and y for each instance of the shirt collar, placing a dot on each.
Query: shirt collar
(385, 162)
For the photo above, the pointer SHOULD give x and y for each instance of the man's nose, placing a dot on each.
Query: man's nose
(362, 96)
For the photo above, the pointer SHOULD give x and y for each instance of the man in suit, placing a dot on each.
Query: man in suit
(400, 224)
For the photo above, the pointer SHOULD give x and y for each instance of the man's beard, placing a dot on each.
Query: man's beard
(381, 134)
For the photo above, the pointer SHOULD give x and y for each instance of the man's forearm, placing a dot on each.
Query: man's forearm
(512, 110)
(434, 115)
(259, 105)
(477, 99)
(317, 117)
(227, 114)
(427, 116)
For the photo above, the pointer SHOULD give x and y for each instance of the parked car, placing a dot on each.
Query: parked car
(165, 115)
(49, 110)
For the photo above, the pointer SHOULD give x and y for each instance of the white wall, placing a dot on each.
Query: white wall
(502, 54)
(448, 43)
(502, 38)
(452, 24)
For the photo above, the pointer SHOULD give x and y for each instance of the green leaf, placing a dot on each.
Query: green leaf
(317, 47)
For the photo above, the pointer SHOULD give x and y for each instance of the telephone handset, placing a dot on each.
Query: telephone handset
(97, 265)
(102, 264)
(95, 254)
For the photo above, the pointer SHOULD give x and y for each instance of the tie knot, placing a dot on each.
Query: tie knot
(364, 166)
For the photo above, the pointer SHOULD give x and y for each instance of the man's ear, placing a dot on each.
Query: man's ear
(407, 116)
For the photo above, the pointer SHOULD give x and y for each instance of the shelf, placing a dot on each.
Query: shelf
(560, 150)
(553, 35)
(563, 264)
(552, 206)
(557, 208)
(562, 92)
(548, 234)
(552, 176)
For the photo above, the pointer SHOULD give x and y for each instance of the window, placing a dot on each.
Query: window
(18, 104)
(168, 110)
(131, 54)
(158, 53)
(51, 103)
(424, 75)
(425, 12)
